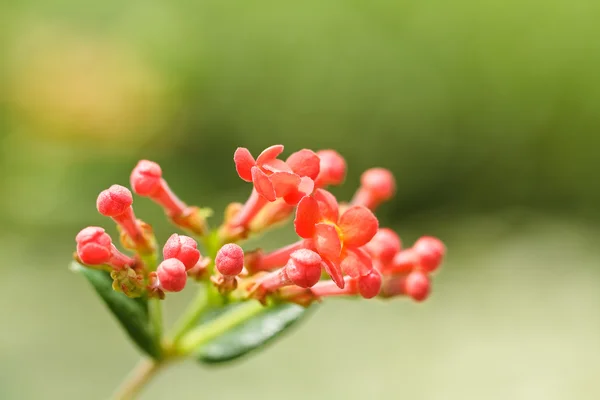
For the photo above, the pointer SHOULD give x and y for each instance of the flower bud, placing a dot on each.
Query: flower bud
(146, 178)
(114, 201)
(404, 261)
(384, 245)
(377, 186)
(332, 168)
(230, 260)
(431, 251)
(183, 248)
(94, 246)
(171, 275)
(417, 285)
(369, 285)
(380, 182)
(304, 268)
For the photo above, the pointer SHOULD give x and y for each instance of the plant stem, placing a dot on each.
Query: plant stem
(156, 320)
(137, 379)
(225, 322)
(191, 315)
(154, 304)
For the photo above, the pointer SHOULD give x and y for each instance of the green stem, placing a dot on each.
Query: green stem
(191, 315)
(137, 379)
(156, 319)
(154, 304)
(222, 324)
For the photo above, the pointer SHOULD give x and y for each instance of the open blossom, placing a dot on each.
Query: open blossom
(345, 241)
(274, 178)
(337, 238)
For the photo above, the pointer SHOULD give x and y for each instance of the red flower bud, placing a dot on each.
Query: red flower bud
(94, 246)
(380, 182)
(304, 268)
(369, 285)
(114, 201)
(384, 245)
(431, 251)
(171, 275)
(377, 186)
(304, 163)
(183, 248)
(230, 260)
(146, 178)
(417, 285)
(404, 261)
(332, 168)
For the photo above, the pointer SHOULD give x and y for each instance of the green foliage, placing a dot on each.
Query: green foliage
(252, 334)
(132, 314)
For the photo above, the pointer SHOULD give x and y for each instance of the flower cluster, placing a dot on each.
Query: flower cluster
(341, 251)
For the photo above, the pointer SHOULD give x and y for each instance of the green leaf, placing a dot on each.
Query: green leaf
(252, 334)
(132, 314)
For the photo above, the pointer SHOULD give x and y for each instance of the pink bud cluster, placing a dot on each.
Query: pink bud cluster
(341, 251)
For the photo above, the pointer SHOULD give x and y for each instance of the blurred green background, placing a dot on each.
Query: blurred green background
(486, 111)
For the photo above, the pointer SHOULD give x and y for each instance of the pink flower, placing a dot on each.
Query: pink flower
(337, 238)
(273, 178)
(332, 169)
(417, 285)
(171, 275)
(384, 245)
(430, 251)
(376, 186)
(370, 285)
(230, 260)
(94, 247)
(146, 180)
(303, 269)
(183, 248)
(115, 202)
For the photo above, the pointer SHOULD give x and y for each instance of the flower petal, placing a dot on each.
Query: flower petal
(327, 241)
(284, 183)
(307, 216)
(358, 225)
(244, 163)
(262, 184)
(305, 163)
(328, 205)
(269, 154)
(305, 188)
(276, 165)
(355, 263)
(334, 270)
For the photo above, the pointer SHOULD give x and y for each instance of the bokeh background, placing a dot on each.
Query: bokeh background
(486, 111)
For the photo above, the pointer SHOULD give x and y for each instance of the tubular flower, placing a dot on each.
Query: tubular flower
(274, 178)
(146, 180)
(115, 202)
(376, 186)
(95, 247)
(359, 258)
(337, 238)
(332, 169)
